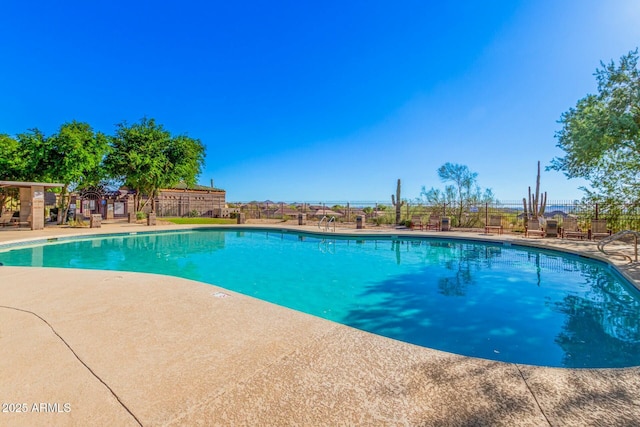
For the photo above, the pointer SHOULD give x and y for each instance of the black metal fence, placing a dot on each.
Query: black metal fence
(190, 208)
(618, 216)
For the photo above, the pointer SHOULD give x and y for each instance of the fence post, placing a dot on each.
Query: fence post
(486, 214)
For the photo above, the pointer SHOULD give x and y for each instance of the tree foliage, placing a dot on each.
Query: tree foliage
(36, 153)
(74, 158)
(25, 158)
(147, 158)
(463, 193)
(143, 156)
(601, 135)
(76, 155)
(12, 165)
(12, 160)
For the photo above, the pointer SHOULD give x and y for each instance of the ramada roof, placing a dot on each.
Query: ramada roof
(25, 184)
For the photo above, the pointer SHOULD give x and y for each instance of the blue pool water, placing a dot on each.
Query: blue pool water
(488, 300)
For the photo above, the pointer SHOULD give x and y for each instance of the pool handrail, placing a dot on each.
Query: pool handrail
(328, 223)
(618, 236)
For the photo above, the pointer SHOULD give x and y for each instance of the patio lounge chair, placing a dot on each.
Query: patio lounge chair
(599, 229)
(416, 222)
(434, 223)
(570, 229)
(533, 228)
(495, 223)
(26, 223)
(6, 218)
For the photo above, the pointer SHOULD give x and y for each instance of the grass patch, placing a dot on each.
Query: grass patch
(200, 220)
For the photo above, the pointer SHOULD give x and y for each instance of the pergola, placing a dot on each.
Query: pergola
(31, 200)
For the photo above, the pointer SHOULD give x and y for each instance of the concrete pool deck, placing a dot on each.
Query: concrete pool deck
(81, 347)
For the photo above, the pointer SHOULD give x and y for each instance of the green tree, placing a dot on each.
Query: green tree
(34, 147)
(12, 161)
(185, 157)
(438, 197)
(462, 194)
(147, 158)
(601, 135)
(12, 166)
(75, 155)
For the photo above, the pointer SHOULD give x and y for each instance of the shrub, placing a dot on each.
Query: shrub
(75, 223)
(378, 220)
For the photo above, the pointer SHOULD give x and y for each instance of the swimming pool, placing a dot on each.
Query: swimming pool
(490, 300)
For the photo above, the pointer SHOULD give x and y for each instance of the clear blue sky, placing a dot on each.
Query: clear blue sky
(318, 101)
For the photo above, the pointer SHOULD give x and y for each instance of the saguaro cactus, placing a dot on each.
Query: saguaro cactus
(537, 201)
(397, 203)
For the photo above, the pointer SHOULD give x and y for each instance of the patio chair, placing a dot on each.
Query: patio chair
(495, 223)
(26, 223)
(434, 223)
(599, 229)
(534, 228)
(6, 218)
(416, 222)
(570, 229)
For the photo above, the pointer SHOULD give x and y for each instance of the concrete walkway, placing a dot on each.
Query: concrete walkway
(81, 347)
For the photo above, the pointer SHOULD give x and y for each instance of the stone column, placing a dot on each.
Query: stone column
(109, 210)
(131, 206)
(95, 221)
(37, 207)
(32, 207)
(25, 205)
